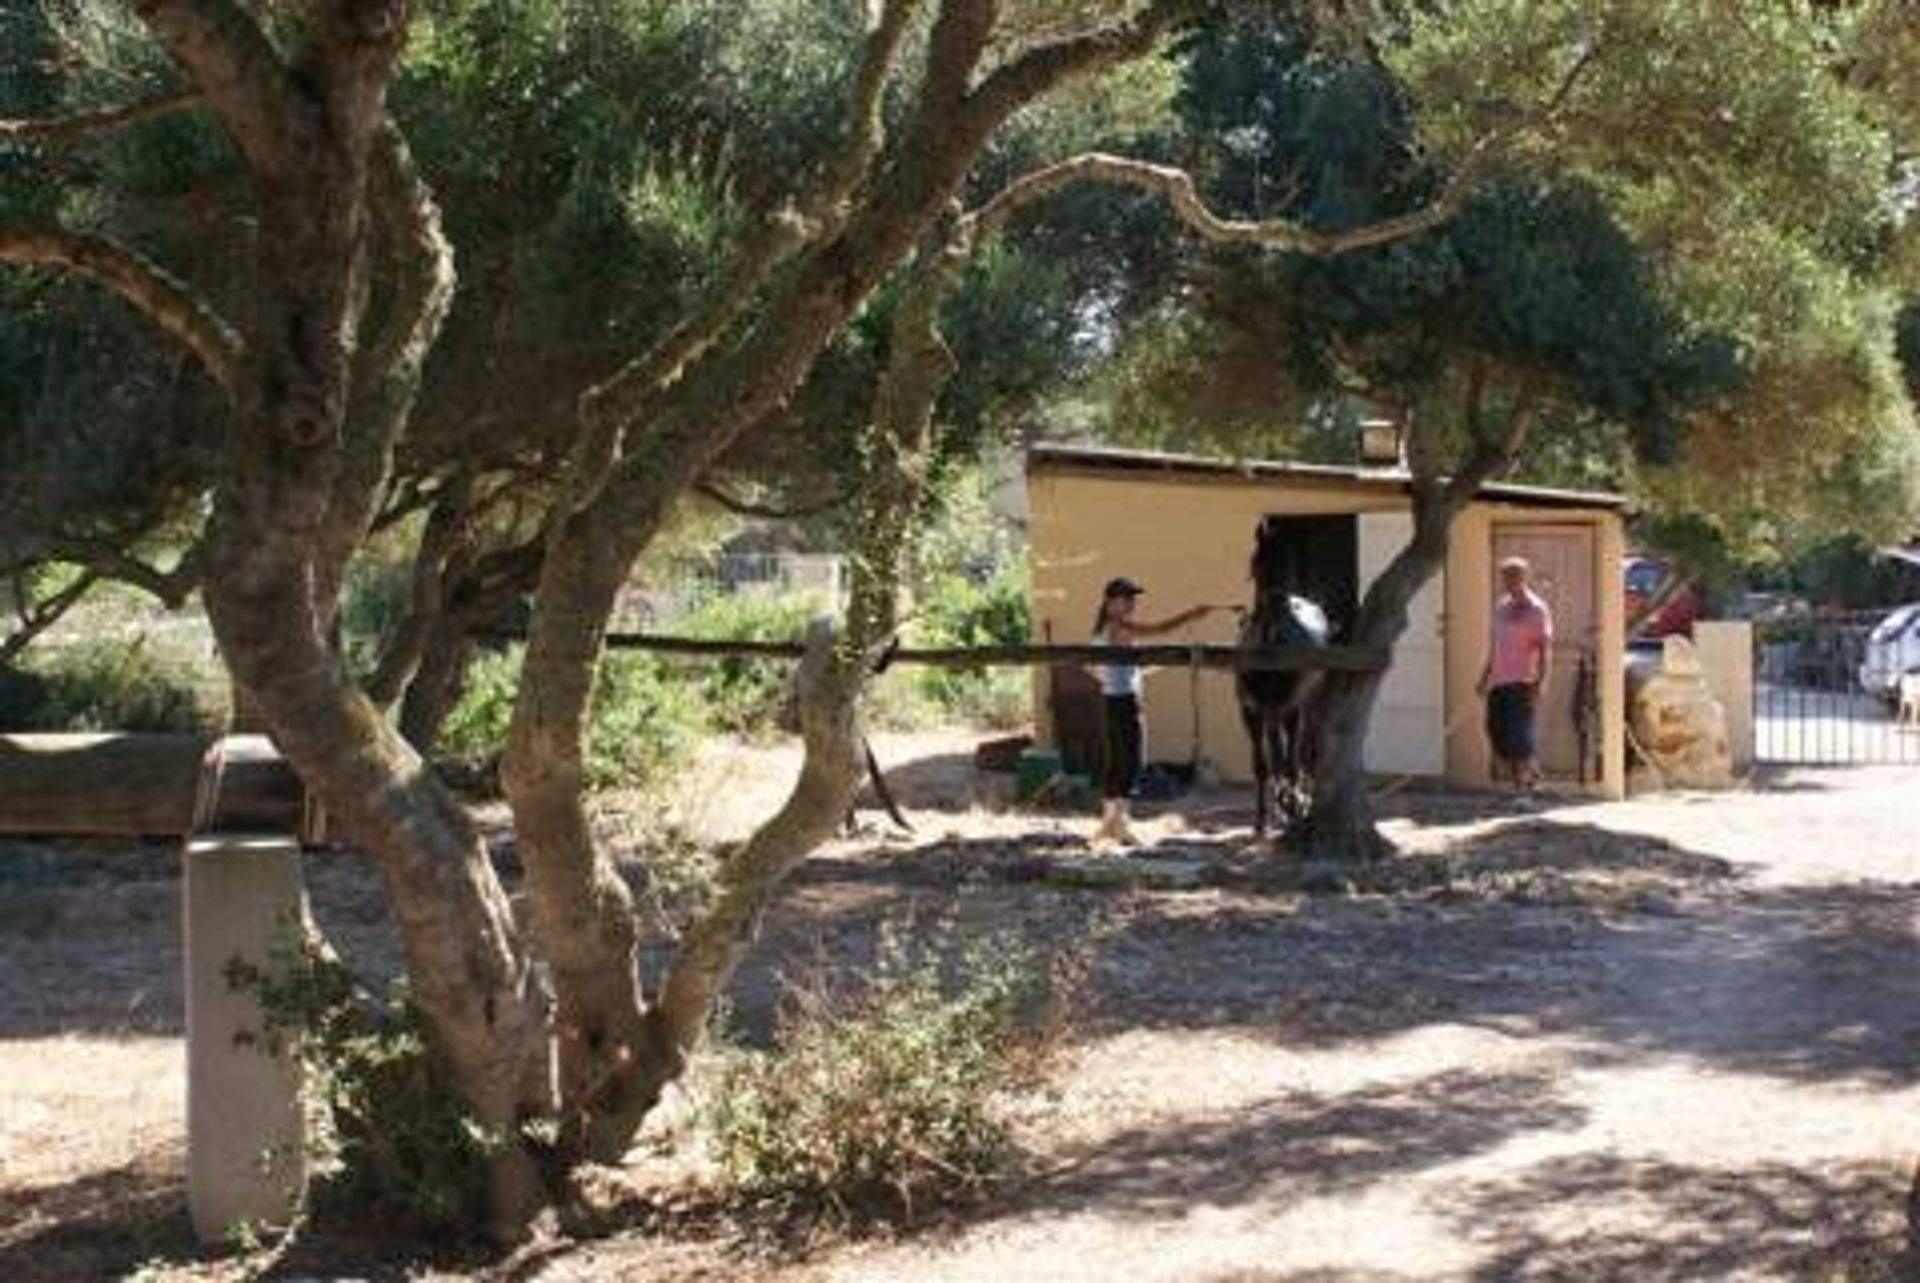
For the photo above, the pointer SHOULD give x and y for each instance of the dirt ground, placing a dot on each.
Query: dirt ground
(1671, 1038)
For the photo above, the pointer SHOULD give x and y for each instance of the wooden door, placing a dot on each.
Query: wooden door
(1562, 557)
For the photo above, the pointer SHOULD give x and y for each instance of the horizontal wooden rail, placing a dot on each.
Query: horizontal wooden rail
(1274, 659)
(144, 786)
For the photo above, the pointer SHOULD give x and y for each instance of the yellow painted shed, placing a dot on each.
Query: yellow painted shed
(1184, 527)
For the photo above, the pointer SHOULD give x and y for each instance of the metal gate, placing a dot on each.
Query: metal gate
(1811, 699)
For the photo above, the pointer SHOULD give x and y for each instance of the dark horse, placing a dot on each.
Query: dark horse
(1275, 705)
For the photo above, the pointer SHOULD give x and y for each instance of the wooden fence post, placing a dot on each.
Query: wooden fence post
(246, 1125)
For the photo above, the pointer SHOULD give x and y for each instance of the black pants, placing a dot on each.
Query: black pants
(1510, 722)
(1125, 742)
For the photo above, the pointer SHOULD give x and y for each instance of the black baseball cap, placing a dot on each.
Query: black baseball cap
(1122, 587)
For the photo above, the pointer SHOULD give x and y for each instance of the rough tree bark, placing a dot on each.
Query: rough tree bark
(313, 132)
(654, 432)
(889, 488)
(1340, 823)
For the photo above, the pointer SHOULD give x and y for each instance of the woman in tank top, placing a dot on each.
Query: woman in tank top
(1125, 744)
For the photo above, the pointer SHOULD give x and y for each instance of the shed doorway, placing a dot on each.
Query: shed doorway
(1562, 561)
(1317, 560)
(1332, 559)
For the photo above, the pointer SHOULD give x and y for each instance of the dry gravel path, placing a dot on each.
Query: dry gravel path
(1672, 1038)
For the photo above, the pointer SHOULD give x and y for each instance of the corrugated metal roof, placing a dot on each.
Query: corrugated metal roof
(1103, 458)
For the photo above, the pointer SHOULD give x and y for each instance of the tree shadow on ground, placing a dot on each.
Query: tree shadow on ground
(937, 782)
(111, 1224)
(1297, 1145)
(103, 1224)
(1625, 939)
(1647, 1218)
(90, 936)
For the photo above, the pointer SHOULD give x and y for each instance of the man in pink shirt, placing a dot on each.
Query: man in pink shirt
(1516, 675)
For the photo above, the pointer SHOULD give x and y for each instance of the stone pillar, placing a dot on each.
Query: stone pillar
(246, 1133)
(1725, 648)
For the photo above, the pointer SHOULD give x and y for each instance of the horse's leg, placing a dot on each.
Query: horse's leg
(1254, 720)
(1298, 763)
(1283, 750)
(1279, 759)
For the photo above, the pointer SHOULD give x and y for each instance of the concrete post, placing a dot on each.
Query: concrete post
(246, 1133)
(1725, 648)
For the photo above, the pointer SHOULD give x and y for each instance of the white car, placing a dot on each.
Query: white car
(1893, 648)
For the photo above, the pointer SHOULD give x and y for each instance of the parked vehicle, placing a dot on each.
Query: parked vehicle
(1893, 649)
(1642, 577)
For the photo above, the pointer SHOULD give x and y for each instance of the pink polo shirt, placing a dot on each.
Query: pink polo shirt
(1522, 634)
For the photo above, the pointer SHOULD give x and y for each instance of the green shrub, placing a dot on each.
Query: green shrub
(395, 1140)
(475, 731)
(957, 611)
(644, 723)
(106, 685)
(744, 695)
(877, 1102)
(898, 701)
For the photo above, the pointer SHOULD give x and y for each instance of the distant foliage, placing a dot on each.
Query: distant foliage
(644, 722)
(372, 603)
(958, 611)
(743, 695)
(475, 732)
(106, 685)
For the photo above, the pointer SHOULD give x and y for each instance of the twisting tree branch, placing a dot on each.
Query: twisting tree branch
(733, 503)
(163, 298)
(1019, 82)
(610, 405)
(607, 408)
(103, 559)
(865, 111)
(1492, 451)
(36, 617)
(954, 48)
(1176, 187)
(85, 124)
(387, 377)
(239, 75)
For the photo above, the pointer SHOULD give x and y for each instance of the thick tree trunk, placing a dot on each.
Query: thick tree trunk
(891, 485)
(616, 1054)
(652, 433)
(1340, 822)
(283, 519)
(437, 683)
(582, 910)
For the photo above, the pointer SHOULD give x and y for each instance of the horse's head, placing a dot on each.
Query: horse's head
(1271, 569)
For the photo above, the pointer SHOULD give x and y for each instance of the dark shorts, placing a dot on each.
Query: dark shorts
(1510, 722)
(1123, 746)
